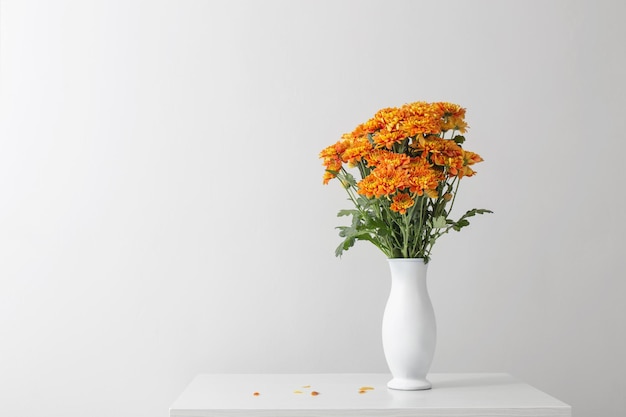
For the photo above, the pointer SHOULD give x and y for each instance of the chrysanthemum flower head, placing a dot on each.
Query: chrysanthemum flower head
(401, 202)
(384, 180)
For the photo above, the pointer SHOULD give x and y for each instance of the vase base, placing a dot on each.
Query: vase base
(409, 384)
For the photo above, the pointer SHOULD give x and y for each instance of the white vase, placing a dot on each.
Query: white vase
(409, 330)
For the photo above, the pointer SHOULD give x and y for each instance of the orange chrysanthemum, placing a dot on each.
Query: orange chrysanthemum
(384, 180)
(422, 125)
(455, 123)
(335, 150)
(425, 110)
(421, 119)
(389, 118)
(356, 149)
(441, 152)
(451, 109)
(453, 117)
(423, 179)
(386, 138)
(426, 145)
(328, 152)
(469, 158)
(401, 202)
(448, 154)
(445, 150)
(333, 165)
(369, 127)
(416, 125)
(382, 157)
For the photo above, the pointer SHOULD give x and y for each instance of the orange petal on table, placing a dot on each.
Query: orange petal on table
(306, 386)
(314, 393)
(366, 388)
(256, 394)
(297, 392)
(362, 391)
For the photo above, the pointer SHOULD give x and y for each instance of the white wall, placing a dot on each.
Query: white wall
(162, 213)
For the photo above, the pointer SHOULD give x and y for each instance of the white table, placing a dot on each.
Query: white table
(290, 395)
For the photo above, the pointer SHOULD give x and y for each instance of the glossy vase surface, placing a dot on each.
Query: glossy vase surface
(409, 329)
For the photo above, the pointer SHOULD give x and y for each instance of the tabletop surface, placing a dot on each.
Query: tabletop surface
(362, 395)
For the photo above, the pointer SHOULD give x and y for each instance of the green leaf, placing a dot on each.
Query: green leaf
(351, 239)
(364, 202)
(459, 139)
(348, 213)
(365, 236)
(439, 222)
(342, 230)
(463, 222)
(350, 179)
(377, 226)
(344, 246)
(460, 224)
(474, 212)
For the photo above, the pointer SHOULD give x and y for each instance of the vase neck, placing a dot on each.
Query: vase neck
(408, 272)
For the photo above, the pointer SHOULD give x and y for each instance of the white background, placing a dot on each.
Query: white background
(162, 212)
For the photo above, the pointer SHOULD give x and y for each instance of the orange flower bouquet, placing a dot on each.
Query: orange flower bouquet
(411, 161)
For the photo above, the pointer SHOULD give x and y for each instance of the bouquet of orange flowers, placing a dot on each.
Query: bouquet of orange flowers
(411, 161)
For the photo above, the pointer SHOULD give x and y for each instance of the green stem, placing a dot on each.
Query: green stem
(405, 233)
(417, 241)
(458, 181)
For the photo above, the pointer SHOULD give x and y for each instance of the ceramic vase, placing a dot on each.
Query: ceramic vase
(409, 329)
